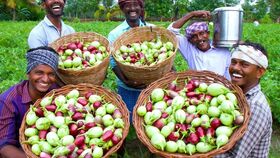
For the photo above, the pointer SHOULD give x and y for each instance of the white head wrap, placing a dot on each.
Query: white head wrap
(251, 55)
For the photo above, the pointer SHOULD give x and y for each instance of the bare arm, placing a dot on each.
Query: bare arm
(199, 14)
(10, 151)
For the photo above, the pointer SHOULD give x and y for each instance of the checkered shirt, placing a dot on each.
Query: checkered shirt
(256, 141)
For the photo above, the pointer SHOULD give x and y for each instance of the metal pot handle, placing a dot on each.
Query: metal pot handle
(213, 15)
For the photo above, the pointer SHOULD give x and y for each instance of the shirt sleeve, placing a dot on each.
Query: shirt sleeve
(112, 38)
(183, 43)
(227, 75)
(7, 125)
(72, 30)
(176, 31)
(36, 40)
(252, 137)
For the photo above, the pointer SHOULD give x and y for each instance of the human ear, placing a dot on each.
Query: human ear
(260, 72)
(43, 5)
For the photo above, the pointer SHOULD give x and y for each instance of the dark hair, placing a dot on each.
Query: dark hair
(257, 46)
(44, 48)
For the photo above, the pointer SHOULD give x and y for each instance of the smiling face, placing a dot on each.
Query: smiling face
(41, 79)
(54, 7)
(245, 74)
(201, 40)
(132, 11)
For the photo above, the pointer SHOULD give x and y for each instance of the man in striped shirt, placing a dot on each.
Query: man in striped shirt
(42, 64)
(248, 64)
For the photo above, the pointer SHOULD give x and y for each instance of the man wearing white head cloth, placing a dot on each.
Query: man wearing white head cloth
(248, 64)
(41, 70)
(196, 47)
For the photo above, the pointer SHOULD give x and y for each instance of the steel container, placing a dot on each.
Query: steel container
(227, 26)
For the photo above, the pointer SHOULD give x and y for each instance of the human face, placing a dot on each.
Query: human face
(132, 11)
(201, 40)
(245, 74)
(41, 78)
(54, 7)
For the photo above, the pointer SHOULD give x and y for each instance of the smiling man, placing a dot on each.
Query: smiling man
(52, 27)
(134, 17)
(248, 64)
(196, 46)
(41, 69)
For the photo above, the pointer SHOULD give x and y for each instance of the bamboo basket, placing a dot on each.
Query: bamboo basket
(93, 75)
(145, 74)
(204, 76)
(82, 88)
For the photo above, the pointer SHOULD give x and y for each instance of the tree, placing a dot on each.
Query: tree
(81, 8)
(16, 5)
(248, 11)
(254, 10)
(210, 5)
(261, 9)
(180, 8)
(274, 10)
(107, 9)
(159, 8)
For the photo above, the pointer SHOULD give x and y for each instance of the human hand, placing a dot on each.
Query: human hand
(201, 14)
(134, 84)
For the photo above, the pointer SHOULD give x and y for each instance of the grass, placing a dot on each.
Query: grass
(13, 45)
(275, 141)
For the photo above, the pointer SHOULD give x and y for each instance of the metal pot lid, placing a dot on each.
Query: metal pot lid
(236, 8)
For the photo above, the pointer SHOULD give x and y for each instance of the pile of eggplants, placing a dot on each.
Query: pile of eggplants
(73, 125)
(197, 118)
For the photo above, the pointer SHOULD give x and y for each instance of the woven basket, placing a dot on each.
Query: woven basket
(82, 88)
(94, 75)
(145, 74)
(204, 76)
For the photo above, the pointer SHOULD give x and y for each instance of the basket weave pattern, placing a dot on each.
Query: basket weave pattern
(203, 76)
(145, 74)
(94, 75)
(82, 88)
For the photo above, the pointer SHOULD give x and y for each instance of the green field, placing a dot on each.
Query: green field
(13, 46)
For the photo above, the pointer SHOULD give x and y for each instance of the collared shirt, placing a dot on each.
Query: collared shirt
(215, 59)
(13, 105)
(256, 140)
(45, 33)
(113, 35)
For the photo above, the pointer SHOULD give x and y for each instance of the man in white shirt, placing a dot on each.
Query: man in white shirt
(52, 27)
(196, 47)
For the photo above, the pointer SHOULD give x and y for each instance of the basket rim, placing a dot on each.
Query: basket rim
(84, 69)
(146, 92)
(132, 30)
(95, 89)
(143, 28)
(75, 35)
(79, 35)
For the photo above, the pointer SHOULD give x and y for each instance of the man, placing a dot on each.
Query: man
(248, 64)
(42, 64)
(196, 47)
(52, 27)
(134, 17)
